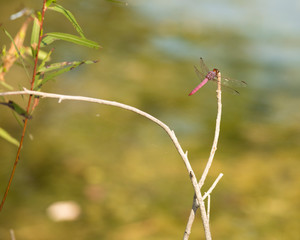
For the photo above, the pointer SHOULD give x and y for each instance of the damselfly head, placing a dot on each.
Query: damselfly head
(216, 71)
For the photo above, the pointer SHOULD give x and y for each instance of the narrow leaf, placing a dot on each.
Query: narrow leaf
(35, 36)
(5, 135)
(51, 37)
(44, 56)
(19, 110)
(45, 59)
(59, 72)
(38, 81)
(56, 66)
(4, 84)
(49, 2)
(51, 76)
(69, 16)
(39, 15)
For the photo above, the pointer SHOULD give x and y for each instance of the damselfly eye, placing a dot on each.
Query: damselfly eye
(216, 70)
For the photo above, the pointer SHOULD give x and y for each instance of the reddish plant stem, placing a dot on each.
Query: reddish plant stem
(27, 109)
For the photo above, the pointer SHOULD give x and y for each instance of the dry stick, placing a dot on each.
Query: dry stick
(212, 186)
(217, 132)
(12, 234)
(208, 164)
(146, 115)
(27, 109)
(195, 207)
(208, 207)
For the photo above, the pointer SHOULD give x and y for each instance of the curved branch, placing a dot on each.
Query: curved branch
(170, 132)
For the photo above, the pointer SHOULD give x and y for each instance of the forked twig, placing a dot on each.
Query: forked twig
(197, 204)
(170, 132)
(212, 186)
(198, 199)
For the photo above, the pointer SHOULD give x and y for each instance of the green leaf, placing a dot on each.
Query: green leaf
(55, 66)
(35, 36)
(42, 54)
(69, 16)
(49, 2)
(39, 15)
(45, 58)
(4, 84)
(51, 37)
(3, 52)
(59, 72)
(5, 135)
(19, 110)
(38, 81)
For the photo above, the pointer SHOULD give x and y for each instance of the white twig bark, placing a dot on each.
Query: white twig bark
(198, 199)
(196, 203)
(208, 207)
(217, 132)
(212, 186)
(170, 132)
(12, 234)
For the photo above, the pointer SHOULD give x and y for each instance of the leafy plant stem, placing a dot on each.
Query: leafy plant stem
(27, 109)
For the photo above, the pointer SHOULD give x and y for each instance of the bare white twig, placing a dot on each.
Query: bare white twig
(196, 202)
(190, 222)
(195, 207)
(217, 132)
(198, 199)
(212, 186)
(146, 115)
(208, 207)
(12, 234)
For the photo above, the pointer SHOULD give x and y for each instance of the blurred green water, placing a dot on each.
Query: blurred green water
(122, 169)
